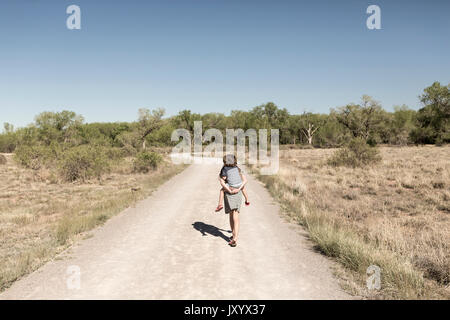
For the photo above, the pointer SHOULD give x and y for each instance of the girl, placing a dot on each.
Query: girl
(233, 182)
(227, 166)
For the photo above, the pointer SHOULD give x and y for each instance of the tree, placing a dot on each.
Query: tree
(8, 128)
(400, 126)
(360, 120)
(269, 116)
(185, 120)
(310, 123)
(214, 120)
(309, 132)
(58, 120)
(8, 140)
(57, 126)
(148, 122)
(332, 133)
(241, 120)
(433, 119)
(162, 136)
(293, 130)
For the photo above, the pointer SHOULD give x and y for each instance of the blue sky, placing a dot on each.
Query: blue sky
(215, 55)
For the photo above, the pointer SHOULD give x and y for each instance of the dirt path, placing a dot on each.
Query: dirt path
(173, 246)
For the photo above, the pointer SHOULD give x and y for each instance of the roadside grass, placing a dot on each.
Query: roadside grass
(392, 215)
(40, 217)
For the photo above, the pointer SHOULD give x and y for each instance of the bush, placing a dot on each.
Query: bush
(7, 142)
(146, 161)
(2, 159)
(115, 153)
(73, 163)
(34, 157)
(82, 162)
(356, 154)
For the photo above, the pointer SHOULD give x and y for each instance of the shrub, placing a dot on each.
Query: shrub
(7, 142)
(356, 154)
(2, 159)
(146, 161)
(73, 163)
(115, 153)
(33, 157)
(82, 162)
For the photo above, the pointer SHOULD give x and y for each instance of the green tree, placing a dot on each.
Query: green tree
(8, 128)
(401, 125)
(433, 119)
(8, 140)
(149, 121)
(332, 133)
(362, 119)
(241, 119)
(293, 132)
(269, 116)
(185, 120)
(309, 124)
(57, 126)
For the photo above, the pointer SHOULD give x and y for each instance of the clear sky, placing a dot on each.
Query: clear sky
(216, 55)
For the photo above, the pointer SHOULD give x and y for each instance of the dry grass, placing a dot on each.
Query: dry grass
(40, 216)
(394, 214)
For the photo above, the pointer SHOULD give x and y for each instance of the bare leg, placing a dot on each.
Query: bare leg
(234, 215)
(244, 192)
(231, 223)
(221, 197)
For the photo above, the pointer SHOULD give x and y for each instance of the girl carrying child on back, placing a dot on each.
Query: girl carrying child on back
(231, 169)
(233, 182)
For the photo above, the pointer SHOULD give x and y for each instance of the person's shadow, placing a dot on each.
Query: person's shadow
(210, 229)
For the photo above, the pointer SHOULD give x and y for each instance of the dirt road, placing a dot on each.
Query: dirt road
(174, 246)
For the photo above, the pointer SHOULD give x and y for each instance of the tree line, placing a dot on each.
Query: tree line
(366, 120)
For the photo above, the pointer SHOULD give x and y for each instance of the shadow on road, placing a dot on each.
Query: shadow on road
(210, 229)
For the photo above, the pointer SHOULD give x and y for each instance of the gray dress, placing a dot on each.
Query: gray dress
(233, 201)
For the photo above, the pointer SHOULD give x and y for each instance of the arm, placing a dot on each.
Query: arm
(244, 182)
(224, 186)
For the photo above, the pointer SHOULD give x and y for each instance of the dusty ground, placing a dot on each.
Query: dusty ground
(174, 246)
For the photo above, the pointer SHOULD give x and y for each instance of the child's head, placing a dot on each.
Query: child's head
(230, 160)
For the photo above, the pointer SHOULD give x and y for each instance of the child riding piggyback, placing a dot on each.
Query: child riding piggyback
(230, 179)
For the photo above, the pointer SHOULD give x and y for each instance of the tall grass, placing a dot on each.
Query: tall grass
(336, 236)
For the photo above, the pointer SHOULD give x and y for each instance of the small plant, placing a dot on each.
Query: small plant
(356, 154)
(146, 161)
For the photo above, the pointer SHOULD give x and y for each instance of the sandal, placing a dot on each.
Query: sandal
(232, 243)
(219, 207)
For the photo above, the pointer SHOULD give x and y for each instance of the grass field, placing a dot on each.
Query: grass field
(395, 214)
(40, 217)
